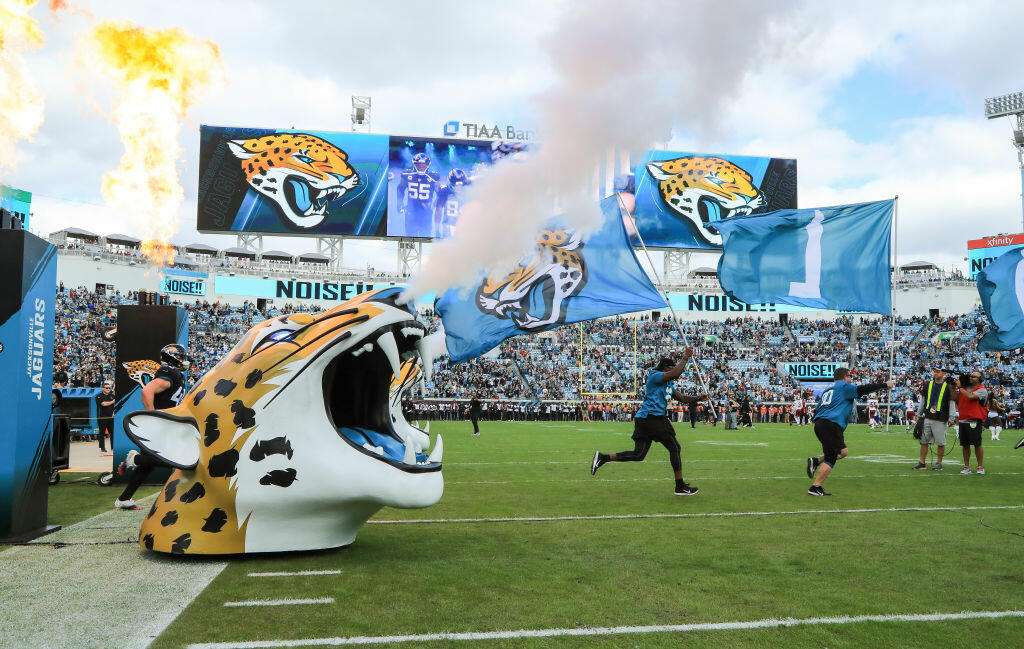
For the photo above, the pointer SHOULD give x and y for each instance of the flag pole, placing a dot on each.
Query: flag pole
(675, 320)
(892, 301)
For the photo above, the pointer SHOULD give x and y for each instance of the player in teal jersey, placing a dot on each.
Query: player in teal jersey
(830, 417)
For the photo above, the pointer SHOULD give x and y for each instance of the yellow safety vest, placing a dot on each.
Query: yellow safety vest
(942, 391)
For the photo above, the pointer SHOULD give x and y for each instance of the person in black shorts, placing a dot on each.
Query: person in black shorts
(651, 424)
(164, 390)
(831, 415)
(474, 415)
(105, 415)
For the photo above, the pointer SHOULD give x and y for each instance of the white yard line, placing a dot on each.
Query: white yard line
(282, 602)
(915, 475)
(770, 623)
(603, 517)
(300, 573)
(114, 594)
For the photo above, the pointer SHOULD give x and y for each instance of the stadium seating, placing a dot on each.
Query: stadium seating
(600, 360)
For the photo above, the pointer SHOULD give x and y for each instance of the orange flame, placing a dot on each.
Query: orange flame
(158, 74)
(21, 103)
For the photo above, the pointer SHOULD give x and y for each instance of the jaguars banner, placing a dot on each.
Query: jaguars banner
(292, 182)
(680, 197)
(826, 258)
(566, 278)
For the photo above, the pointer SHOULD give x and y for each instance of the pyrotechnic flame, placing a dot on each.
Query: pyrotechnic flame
(21, 103)
(158, 74)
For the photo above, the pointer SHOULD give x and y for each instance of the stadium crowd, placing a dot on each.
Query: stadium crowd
(597, 368)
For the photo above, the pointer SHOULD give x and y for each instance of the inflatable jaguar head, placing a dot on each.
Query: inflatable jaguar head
(296, 437)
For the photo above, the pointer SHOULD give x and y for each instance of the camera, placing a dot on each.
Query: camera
(965, 379)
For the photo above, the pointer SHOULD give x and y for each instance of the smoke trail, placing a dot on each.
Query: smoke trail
(158, 74)
(21, 103)
(625, 74)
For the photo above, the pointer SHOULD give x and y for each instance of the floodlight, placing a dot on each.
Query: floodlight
(1011, 104)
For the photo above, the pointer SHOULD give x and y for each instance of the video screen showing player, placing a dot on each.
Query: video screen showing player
(429, 177)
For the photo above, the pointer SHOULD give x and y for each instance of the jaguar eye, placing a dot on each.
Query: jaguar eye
(304, 158)
(278, 335)
(714, 179)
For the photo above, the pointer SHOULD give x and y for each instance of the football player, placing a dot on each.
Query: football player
(418, 193)
(446, 212)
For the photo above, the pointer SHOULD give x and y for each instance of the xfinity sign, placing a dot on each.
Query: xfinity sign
(455, 128)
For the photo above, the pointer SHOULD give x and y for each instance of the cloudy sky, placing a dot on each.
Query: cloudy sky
(874, 99)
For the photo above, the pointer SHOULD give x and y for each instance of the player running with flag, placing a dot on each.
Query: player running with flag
(831, 415)
(651, 423)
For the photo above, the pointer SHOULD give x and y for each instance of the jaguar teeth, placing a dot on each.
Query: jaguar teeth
(390, 348)
(412, 331)
(423, 349)
(362, 350)
(435, 455)
(410, 454)
(379, 450)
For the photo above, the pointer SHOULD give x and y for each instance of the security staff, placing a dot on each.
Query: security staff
(105, 401)
(939, 411)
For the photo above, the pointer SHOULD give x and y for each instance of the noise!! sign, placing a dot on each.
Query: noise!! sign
(809, 371)
(182, 286)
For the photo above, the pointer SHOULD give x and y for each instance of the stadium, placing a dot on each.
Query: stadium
(488, 384)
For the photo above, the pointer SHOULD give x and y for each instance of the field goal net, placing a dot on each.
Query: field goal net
(610, 348)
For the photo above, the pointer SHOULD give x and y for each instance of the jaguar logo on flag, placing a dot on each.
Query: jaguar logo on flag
(536, 295)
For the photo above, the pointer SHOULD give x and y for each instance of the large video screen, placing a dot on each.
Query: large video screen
(678, 196)
(428, 177)
(982, 252)
(292, 182)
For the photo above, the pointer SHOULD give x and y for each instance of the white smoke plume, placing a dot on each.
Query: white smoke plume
(625, 75)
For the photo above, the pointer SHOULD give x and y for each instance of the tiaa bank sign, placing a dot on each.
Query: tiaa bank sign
(182, 285)
(809, 371)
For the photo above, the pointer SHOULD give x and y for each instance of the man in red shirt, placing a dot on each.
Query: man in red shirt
(972, 406)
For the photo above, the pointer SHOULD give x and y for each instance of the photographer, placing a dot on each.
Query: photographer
(973, 407)
(938, 411)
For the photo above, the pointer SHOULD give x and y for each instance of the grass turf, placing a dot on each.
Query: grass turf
(77, 497)
(454, 577)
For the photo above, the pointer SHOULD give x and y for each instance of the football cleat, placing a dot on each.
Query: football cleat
(686, 490)
(816, 490)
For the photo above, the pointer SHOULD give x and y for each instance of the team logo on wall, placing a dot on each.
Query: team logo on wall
(142, 372)
(704, 190)
(536, 295)
(299, 173)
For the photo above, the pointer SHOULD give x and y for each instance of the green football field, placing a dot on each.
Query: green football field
(527, 549)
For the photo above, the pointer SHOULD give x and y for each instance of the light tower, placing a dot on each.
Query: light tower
(360, 114)
(1012, 106)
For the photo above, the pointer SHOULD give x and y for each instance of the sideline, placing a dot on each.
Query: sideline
(94, 582)
(769, 623)
(605, 517)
